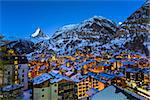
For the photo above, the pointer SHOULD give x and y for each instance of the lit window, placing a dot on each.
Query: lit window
(16, 66)
(15, 62)
(16, 57)
(16, 82)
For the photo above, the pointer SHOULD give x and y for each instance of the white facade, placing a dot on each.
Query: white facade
(23, 75)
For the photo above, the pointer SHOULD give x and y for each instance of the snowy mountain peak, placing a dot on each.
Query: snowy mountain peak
(91, 32)
(96, 23)
(39, 34)
(96, 19)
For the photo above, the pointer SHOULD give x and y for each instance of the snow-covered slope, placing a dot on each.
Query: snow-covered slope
(94, 31)
(137, 28)
(134, 33)
(100, 34)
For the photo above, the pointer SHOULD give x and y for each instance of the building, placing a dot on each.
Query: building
(146, 76)
(109, 93)
(134, 74)
(41, 88)
(8, 67)
(96, 82)
(23, 75)
(11, 92)
(83, 85)
(62, 88)
(116, 64)
(9, 77)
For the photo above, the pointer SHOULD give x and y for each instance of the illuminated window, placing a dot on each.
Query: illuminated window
(16, 77)
(15, 62)
(16, 57)
(29, 74)
(16, 72)
(16, 66)
(16, 82)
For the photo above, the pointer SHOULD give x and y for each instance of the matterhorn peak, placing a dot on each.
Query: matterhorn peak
(39, 34)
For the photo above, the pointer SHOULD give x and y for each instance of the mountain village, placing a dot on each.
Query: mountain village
(81, 61)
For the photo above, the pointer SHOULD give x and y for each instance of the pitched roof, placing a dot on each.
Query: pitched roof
(11, 87)
(78, 77)
(42, 78)
(133, 70)
(59, 77)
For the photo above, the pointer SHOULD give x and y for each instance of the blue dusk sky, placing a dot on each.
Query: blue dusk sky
(20, 18)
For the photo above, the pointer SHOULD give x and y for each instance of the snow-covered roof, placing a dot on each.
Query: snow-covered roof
(59, 77)
(129, 63)
(42, 78)
(133, 70)
(65, 68)
(105, 75)
(146, 71)
(78, 77)
(12, 87)
(104, 64)
(109, 94)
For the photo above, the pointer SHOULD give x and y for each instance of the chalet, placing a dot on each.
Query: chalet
(62, 88)
(134, 74)
(87, 65)
(105, 78)
(96, 83)
(41, 87)
(83, 84)
(115, 63)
